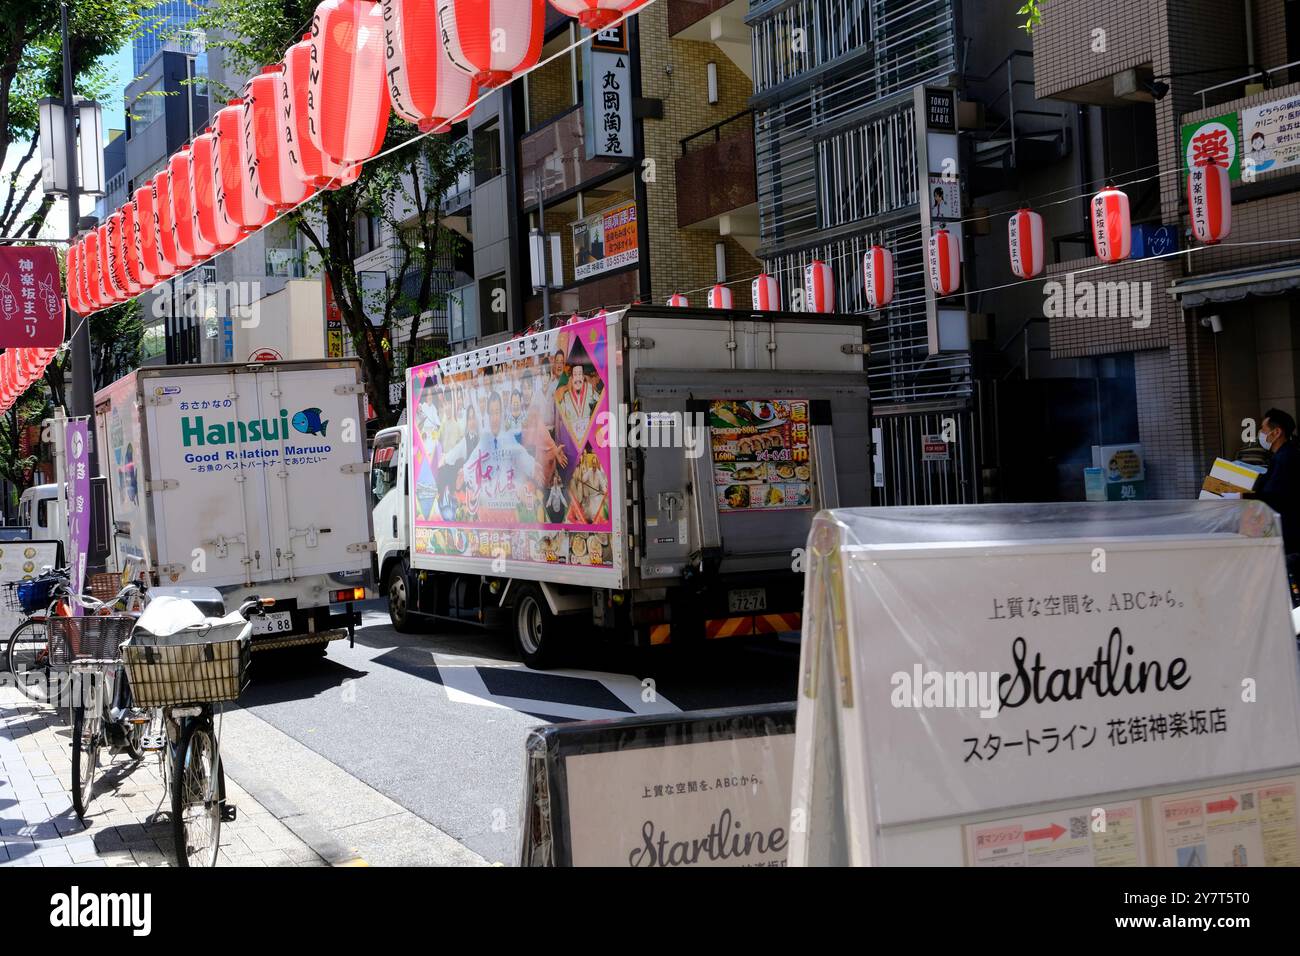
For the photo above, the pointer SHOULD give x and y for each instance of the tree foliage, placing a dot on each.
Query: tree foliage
(31, 67)
(403, 190)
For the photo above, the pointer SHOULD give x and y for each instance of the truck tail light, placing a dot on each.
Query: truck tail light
(650, 613)
(347, 594)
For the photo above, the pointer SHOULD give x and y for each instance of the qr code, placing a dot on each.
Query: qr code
(1078, 828)
(1248, 801)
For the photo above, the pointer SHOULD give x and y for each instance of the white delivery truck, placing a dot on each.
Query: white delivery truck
(249, 478)
(653, 472)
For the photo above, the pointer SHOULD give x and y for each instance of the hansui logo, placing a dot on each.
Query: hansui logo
(308, 421)
(196, 430)
(77, 909)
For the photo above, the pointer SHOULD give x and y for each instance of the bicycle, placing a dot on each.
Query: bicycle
(185, 666)
(102, 715)
(45, 598)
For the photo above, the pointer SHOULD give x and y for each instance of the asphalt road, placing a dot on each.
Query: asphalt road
(436, 721)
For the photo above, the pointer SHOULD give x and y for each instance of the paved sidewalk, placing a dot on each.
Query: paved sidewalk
(38, 826)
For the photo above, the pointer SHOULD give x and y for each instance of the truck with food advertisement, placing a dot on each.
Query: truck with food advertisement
(651, 473)
(248, 478)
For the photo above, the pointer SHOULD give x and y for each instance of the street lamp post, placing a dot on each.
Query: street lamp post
(82, 400)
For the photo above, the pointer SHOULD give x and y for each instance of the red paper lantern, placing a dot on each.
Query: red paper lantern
(944, 262)
(678, 301)
(279, 186)
(183, 206)
(719, 297)
(1025, 243)
(597, 14)
(818, 287)
(878, 277)
(347, 96)
(765, 294)
(70, 280)
(1209, 202)
(113, 291)
(210, 221)
(146, 253)
(169, 247)
(493, 40)
(425, 87)
(117, 229)
(85, 260)
(1112, 233)
(103, 287)
(306, 162)
(243, 200)
(129, 233)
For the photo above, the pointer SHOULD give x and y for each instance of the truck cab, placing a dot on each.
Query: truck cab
(388, 493)
(40, 509)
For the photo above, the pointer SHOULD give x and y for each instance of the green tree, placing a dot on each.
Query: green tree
(403, 190)
(29, 410)
(31, 67)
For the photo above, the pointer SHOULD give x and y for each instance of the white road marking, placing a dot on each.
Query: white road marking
(464, 685)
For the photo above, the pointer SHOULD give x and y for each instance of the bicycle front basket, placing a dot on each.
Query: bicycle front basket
(97, 637)
(207, 667)
(34, 595)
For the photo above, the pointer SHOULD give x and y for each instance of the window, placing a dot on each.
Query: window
(367, 234)
(487, 153)
(144, 109)
(494, 309)
(383, 473)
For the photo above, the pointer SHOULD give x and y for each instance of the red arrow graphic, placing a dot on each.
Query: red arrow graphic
(1219, 806)
(1047, 833)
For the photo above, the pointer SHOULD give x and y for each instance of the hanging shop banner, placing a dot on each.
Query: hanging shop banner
(607, 99)
(77, 445)
(761, 456)
(711, 788)
(1271, 134)
(333, 323)
(605, 241)
(511, 460)
(31, 303)
(1213, 140)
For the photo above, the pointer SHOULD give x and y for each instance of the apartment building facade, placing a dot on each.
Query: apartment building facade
(1223, 339)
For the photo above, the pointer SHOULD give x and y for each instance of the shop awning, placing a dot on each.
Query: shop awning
(1235, 284)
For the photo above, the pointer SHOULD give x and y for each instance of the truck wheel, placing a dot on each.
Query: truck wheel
(535, 631)
(399, 607)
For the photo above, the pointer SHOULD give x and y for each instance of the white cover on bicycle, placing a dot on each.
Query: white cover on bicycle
(167, 616)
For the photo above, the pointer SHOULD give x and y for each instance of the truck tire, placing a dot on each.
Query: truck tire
(536, 635)
(397, 589)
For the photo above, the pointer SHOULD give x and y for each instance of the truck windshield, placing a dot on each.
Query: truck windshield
(383, 472)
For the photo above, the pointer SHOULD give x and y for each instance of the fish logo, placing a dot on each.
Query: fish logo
(308, 422)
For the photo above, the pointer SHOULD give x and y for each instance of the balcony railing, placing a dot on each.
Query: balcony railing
(716, 171)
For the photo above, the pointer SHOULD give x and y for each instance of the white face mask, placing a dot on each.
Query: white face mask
(1265, 440)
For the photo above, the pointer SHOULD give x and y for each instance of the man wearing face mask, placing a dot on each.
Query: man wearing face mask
(1279, 487)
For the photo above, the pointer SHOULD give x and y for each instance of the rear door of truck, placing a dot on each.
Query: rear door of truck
(207, 491)
(317, 495)
(787, 416)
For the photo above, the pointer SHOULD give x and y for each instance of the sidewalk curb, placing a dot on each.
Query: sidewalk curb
(287, 812)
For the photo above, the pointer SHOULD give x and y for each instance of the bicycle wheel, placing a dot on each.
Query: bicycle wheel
(198, 790)
(85, 758)
(27, 658)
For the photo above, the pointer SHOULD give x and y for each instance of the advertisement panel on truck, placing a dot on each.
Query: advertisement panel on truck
(514, 473)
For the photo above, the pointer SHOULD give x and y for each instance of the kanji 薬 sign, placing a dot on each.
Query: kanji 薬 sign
(31, 299)
(1213, 140)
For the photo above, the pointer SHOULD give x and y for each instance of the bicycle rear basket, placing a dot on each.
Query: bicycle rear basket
(205, 668)
(96, 637)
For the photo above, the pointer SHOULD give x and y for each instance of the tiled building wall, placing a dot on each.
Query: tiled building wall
(683, 259)
(1082, 42)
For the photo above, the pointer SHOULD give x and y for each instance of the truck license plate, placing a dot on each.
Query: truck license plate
(747, 600)
(277, 623)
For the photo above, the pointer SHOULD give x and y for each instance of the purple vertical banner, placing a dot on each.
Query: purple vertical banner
(76, 441)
